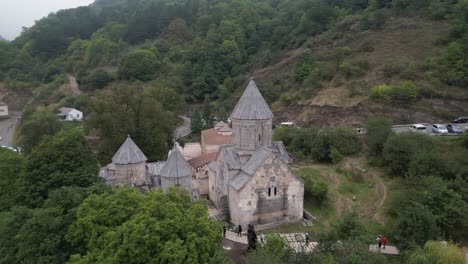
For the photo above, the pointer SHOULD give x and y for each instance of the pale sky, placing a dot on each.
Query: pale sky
(15, 14)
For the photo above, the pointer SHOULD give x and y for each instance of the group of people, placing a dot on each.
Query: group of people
(381, 240)
(251, 235)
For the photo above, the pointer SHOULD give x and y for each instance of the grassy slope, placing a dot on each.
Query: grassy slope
(406, 42)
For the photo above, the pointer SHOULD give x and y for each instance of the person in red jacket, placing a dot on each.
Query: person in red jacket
(384, 241)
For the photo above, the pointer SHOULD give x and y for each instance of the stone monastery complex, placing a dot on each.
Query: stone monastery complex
(240, 170)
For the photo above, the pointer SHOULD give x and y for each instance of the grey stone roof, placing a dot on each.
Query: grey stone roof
(240, 180)
(279, 147)
(176, 166)
(251, 105)
(231, 157)
(155, 168)
(129, 153)
(257, 159)
(213, 166)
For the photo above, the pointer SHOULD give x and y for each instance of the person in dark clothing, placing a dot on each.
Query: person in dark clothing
(251, 238)
(239, 231)
(224, 230)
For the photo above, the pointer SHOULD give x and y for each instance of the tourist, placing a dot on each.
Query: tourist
(384, 241)
(239, 231)
(379, 241)
(224, 230)
(306, 238)
(262, 238)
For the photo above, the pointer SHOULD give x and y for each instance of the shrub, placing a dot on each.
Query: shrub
(355, 68)
(403, 93)
(378, 131)
(390, 70)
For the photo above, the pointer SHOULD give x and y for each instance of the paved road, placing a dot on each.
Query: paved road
(184, 129)
(7, 128)
(406, 128)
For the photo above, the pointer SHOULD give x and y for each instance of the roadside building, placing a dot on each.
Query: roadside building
(212, 139)
(3, 109)
(70, 114)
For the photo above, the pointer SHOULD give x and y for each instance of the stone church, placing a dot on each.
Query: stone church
(250, 180)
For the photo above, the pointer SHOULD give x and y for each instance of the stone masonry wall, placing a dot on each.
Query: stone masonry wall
(130, 174)
(258, 202)
(250, 134)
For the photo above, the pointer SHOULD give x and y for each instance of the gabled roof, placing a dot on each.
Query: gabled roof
(154, 168)
(129, 153)
(66, 110)
(251, 105)
(176, 166)
(202, 160)
(278, 146)
(257, 159)
(231, 157)
(240, 180)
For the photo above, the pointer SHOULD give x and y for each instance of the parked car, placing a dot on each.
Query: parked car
(439, 129)
(461, 119)
(454, 129)
(0, 138)
(418, 128)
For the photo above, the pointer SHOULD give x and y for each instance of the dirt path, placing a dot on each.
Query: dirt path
(75, 88)
(370, 212)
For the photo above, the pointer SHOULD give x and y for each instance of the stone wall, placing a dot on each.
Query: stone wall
(273, 195)
(182, 182)
(250, 134)
(130, 174)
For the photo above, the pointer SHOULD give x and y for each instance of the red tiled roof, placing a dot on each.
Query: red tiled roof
(211, 137)
(202, 160)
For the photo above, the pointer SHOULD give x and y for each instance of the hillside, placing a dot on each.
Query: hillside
(317, 62)
(2, 39)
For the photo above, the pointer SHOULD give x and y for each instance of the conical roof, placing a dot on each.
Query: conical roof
(251, 105)
(129, 153)
(176, 166)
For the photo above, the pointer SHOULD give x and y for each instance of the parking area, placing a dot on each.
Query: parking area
(406, 129)
(7, 128)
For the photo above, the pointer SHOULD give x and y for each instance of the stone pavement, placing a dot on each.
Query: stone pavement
(233, 237)
(390, 250)
(297, 242)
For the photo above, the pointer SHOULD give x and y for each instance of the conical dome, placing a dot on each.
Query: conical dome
(176, 166)
(251, 105)
(129, 153)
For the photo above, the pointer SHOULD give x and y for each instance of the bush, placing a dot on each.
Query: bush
(403, 93)
(378, 131)
(390, 70)
(355, 68)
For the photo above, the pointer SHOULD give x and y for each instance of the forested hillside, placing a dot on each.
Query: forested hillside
(313, 60)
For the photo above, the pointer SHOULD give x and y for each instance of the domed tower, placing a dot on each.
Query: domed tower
(176, 172)
(252, 120)
(130, 164)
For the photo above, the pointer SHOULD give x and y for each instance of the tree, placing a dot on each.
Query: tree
(35, 126)
(196, 121)
(143, 228)
(139, 65)
(10, 168)
(62, 160)
(434, 252)
(378, 130)
(130, 110)
(416, 226)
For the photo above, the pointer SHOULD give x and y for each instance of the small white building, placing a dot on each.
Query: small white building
(3, 109)
(70, 114)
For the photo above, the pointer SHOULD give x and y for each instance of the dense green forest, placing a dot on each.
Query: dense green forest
(207, 48)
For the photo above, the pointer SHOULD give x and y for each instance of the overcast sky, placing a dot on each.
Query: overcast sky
(15, 14)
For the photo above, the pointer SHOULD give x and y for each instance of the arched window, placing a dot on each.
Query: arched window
(275, 191)
(269, 191)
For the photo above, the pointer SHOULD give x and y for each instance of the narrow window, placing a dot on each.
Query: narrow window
(275, 191)
(269, 191)
(259, 138)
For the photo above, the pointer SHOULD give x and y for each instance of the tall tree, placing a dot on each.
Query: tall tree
(144, 228)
